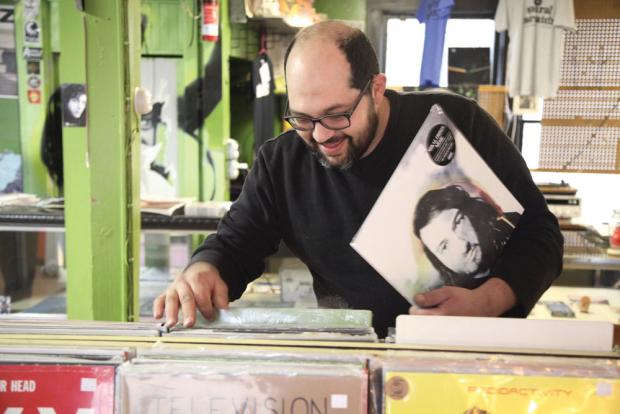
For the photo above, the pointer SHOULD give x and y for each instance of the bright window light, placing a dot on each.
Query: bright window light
(405, 45)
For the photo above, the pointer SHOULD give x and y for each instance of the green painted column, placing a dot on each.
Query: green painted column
(102, 160)
(77, 174)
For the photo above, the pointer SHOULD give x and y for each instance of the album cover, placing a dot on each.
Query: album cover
(244, 387)
(443, 218)
(32, 388)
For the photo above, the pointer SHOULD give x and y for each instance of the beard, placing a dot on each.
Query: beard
(356, 147)
(484, 226)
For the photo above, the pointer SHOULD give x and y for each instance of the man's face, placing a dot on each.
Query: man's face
(77, 105)
(451, 237)
(318, 84)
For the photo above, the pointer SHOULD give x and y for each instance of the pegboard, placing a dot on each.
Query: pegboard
(583, 104)
(581, 126)
(493, 99)
(574, 148)
(592, 54)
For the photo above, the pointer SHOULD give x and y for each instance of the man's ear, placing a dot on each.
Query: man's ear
(378, 88)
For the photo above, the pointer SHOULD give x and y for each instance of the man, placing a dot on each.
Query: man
(462, 235)
(313, 187)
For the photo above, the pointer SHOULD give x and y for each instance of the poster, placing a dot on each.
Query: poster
(8, 62)
(73, 96)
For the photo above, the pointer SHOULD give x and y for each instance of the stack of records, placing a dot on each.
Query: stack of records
(56, 326)
(285, 324)
(64, 354)
(59, 379)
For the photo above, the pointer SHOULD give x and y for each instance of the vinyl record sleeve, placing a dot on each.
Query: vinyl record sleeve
(507, 394)
(57, 388)
(230, 387)
(466, 231)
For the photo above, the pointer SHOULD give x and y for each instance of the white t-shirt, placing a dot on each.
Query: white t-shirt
(536, 30)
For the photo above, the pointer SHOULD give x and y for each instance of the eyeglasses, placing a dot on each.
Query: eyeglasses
(334, 122)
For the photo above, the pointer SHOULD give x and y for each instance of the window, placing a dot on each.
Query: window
(532, 129)
(407, 34)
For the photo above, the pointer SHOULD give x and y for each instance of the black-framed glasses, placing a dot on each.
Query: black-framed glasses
(334, 122)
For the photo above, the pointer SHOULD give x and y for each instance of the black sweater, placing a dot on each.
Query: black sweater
(316, 211)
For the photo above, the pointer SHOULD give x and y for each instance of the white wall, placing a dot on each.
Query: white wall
(599, 193)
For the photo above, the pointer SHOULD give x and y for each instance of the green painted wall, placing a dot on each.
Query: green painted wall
(164, 21)
(343, 9)
(9, 130)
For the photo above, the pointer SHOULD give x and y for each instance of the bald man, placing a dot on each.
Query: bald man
(313, 186)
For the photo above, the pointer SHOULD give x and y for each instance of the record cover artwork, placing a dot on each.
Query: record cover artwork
(443, 218)
(51, 388)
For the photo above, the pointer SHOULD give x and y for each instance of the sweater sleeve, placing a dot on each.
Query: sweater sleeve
(532, 258)
(247, 234)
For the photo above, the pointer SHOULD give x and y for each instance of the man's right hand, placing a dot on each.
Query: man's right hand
(200, 285)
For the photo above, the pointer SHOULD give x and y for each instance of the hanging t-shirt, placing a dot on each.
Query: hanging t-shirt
(536, 32)
(435, 15)
(264, 99)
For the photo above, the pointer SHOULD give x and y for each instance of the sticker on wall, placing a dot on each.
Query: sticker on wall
(7, 14)
(31, 9)
(34, 96)
(32, 32)
(73, 96)
(31, 4)
(34, 81)
(33, 67)
(33, 53)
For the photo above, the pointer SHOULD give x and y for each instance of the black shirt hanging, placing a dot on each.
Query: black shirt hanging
(264, 99)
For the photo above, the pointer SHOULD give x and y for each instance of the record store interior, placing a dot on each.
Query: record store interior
(310, 206)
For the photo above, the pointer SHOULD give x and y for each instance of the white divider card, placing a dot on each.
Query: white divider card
(479, 332)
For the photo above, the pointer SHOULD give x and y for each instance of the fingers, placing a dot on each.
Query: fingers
(158, 306)
(220, 294)
(428, 311)
(188, 303)
(433, 297)
(200, 285)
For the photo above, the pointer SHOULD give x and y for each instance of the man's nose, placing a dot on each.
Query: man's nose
(321, 134)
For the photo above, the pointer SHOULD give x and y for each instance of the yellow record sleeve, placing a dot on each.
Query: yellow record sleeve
(432, 393)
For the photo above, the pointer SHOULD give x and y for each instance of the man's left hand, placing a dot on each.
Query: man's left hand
(492, 298)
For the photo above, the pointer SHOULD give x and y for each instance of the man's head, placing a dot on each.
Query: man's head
(457, 231)
(331, 68)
